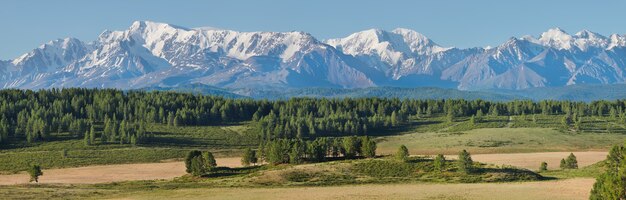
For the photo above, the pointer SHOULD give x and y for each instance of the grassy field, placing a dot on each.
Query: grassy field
(499, 140)
(577, 188)
(167, 143)
(493, 140)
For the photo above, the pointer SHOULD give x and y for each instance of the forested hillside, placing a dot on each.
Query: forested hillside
(32, 116)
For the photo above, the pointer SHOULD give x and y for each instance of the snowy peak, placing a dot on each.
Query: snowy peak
(582, 40)
(419, 43)
(151, 53)
(617, 41)
(556, 38)
(391, 47)
(53, 55)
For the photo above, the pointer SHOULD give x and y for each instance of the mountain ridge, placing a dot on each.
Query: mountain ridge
(152, 54)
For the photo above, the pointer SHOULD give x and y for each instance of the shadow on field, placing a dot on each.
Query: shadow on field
(227, 171)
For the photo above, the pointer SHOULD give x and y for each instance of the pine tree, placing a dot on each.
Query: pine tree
(296, 153)
(197, 166)
(368, 147)
(394, 119)
(612, 184)
(439, 163)
(402, 154)
(209, 160)
(571, 161)
(35, 171)
(92, 135)
(248, 157)
(86, 139)
(350, 147)
(450, 116)
(465, 163)
(190, 156)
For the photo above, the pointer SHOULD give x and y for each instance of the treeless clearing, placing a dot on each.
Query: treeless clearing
(569, 189)
(533, 160)
(498, 140)
(112, 173)
(169, 170)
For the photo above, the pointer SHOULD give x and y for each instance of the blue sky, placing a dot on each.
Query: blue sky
(27, 24)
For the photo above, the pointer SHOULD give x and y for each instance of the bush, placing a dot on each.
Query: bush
(298, 176)
(402, 154)
(439, 163)
(570, 162)
(383, 168)
(543, 167)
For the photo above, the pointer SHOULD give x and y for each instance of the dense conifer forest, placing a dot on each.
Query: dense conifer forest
(32, 116)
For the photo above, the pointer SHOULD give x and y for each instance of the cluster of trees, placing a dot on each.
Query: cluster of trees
(569, 163)
(33, 116)
(297, 151)
(198, 163)
(309, 118)
(249, 157)
(612, 184)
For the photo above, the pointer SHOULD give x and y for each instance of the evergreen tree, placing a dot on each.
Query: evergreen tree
(612, 183)
(197, 166)
(188, 160)
(394, 118)
(402, 154)
(350, 146)
(465, 163)
(368, 147)
(86, 139)
(439, 163)
(92, 135)
(248, 157)
(209, 160)
(297, 152)
(35, 171)
(571, 161)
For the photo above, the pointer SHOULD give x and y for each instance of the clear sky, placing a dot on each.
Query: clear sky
(26, 24)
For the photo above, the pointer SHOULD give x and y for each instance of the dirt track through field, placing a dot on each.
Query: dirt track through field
(112, 173)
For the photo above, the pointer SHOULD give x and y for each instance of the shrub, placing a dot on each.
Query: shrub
(543, 167)
(383, 168)
(402, 154)
(439, 163)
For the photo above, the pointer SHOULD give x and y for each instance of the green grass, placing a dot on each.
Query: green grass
(417, 170)
(498, 140)
(166, 143)
(591, 171)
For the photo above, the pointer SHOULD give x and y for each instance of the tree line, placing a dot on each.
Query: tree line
(33, 116)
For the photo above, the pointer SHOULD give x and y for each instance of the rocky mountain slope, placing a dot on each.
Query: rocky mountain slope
(150, 54)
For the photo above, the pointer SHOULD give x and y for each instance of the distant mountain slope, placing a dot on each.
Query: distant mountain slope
(381, 92)
(151, 54)
(573, 92)
(197, 89)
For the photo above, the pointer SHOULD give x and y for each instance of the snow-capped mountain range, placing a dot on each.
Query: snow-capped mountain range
(150, 54)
